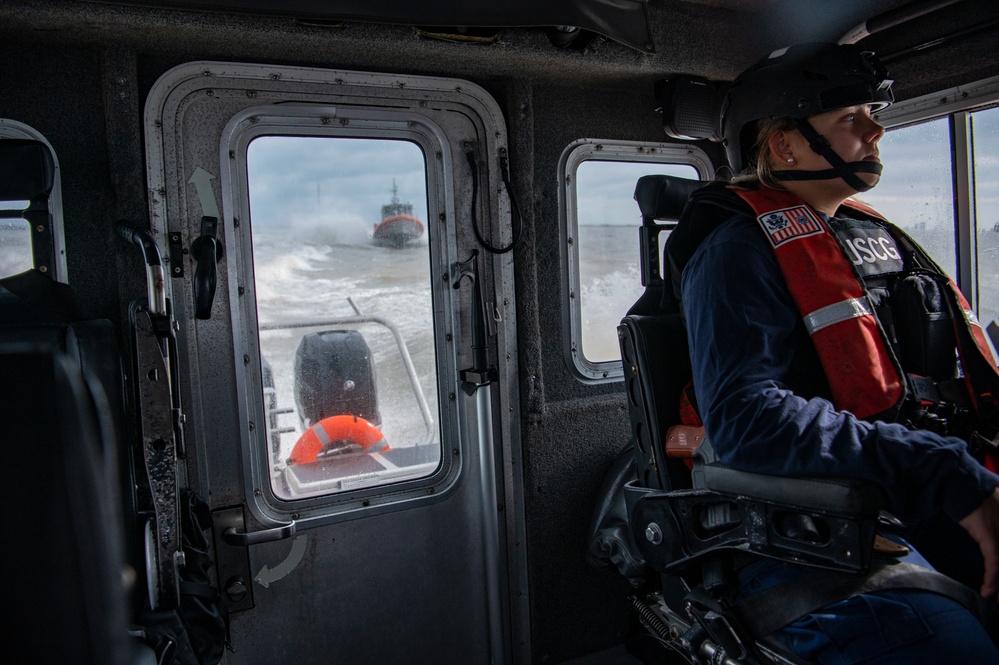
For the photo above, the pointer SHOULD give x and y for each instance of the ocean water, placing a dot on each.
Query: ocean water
(307, 276)
(304, 277)
(610, 281)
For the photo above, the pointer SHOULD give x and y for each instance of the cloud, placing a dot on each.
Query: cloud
(307, 181)
(605, 190)
(916, 187)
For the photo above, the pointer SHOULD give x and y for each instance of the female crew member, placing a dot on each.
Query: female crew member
(800, 305)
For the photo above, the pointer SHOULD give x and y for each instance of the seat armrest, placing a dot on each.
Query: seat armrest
(831, 495)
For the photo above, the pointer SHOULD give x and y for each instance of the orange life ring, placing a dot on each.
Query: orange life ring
(334, 432)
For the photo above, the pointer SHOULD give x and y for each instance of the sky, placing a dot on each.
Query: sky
(306, 181)
(605, 190)
(297, 181)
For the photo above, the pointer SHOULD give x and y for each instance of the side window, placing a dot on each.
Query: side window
(345, 312)
(600, 237)
(916, 188)
(939, 183)
(985, 191)
(15, 232)
(15, 239)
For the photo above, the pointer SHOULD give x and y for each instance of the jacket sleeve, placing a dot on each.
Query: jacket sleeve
(745, 333)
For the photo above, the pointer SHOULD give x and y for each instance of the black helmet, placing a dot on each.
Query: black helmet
(798, 82)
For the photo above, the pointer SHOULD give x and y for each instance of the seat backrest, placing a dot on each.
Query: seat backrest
(35, 308)
(653, 338)
(64, 598)
(661, 199)
(656, 361)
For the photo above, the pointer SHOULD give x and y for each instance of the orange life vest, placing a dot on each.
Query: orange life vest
(862, 371)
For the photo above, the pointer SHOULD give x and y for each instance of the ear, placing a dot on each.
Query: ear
(780, 148)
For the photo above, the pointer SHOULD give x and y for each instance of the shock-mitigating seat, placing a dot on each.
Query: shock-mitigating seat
(66, 595)
(694, 520)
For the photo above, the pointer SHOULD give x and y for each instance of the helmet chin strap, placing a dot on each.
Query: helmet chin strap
(840, 169)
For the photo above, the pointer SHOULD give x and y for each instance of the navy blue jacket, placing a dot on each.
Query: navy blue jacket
(760, 391)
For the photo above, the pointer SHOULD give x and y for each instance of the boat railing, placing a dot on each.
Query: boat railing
(273, 411)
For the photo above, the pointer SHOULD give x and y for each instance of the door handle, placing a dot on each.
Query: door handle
(240, 538)
(207, 251)
(233, 562)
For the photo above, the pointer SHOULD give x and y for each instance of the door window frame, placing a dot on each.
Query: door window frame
(334, 122)
(200, 99)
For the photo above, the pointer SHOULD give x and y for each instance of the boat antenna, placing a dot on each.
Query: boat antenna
(395, 192)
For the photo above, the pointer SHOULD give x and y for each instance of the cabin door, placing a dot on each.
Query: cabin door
(328, 290)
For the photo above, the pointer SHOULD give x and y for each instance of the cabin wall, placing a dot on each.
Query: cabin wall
(573, 431)
(59, 93)
(79, 73)
(85, 91)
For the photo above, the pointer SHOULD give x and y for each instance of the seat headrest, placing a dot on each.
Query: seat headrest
(27, 170)
(664, 196)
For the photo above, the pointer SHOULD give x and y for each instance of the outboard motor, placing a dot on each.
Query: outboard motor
(334, 376)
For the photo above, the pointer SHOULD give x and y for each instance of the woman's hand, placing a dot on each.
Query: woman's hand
(983, 525)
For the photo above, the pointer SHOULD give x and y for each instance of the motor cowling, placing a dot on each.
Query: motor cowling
(334, 375)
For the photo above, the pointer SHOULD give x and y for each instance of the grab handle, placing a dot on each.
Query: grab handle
(207, 252)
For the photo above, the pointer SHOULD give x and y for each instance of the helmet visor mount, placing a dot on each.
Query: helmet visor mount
(860, 93)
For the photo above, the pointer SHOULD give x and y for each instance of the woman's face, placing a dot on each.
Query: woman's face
(852, 133)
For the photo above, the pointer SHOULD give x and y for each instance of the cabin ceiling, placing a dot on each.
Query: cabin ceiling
(738, 5)
(622, 43)
(633, 23)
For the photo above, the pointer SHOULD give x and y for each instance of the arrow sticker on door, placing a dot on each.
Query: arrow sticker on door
(268, 576)
(202, 181)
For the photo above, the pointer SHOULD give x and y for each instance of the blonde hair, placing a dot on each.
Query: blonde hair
(761, 171)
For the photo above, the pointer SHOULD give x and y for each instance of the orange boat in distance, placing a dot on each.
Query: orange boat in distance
(399, 227)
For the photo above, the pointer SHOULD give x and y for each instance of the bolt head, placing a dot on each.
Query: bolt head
(653, 533)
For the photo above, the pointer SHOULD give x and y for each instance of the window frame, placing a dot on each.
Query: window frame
(12, 129)
(957, 104)
(604, 150)
(316, 121)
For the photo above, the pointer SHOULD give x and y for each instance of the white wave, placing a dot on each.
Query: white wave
(605, 300)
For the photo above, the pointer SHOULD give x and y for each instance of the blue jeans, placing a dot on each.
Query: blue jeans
(903, 626)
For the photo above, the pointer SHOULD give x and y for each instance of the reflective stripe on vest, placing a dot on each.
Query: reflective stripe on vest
(861, 371)
(837, 313)
(977, 330)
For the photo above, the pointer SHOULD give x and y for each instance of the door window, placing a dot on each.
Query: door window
(346, 332)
